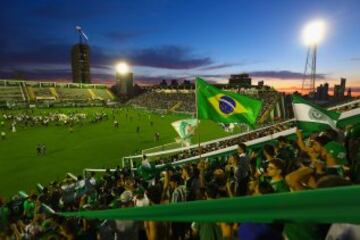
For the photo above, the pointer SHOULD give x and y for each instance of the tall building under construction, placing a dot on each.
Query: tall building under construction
(80, 64)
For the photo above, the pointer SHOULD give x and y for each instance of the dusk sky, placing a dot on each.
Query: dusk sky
(181, 39)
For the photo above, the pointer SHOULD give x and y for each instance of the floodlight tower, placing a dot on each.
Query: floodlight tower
(313, 34)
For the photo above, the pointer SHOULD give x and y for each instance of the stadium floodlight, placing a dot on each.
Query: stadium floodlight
(122, 68)
(314, 32)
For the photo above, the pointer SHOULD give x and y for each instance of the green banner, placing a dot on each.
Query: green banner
(331, 205)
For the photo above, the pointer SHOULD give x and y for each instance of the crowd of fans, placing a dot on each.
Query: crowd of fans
(166, 101)
(324, 159)
(185, 101)
(268, 98)
(228, 142)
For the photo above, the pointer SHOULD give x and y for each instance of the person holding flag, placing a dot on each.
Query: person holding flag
(312, 118)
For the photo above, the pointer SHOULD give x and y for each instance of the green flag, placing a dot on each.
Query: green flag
(329, 205)
(225, 107)
(185, 127)
(311, 117)
(350, 117)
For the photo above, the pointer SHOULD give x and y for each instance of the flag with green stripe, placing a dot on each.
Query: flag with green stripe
(311, 117)
(350, 117)
(224, 106)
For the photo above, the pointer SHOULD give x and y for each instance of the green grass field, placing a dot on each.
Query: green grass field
(98, 145)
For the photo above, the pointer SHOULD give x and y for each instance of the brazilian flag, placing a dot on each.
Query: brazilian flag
(225, 107)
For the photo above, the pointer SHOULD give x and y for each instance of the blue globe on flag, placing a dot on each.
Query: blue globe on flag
(227, 104)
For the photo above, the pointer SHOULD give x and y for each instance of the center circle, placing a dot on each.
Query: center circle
(227, 104)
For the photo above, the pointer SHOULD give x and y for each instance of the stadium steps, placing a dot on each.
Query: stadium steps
(92, 94)
(31, 93)
(23, 92)
(177, 105)
(266, 114)
(54, 92)
(12, 93)
(110, 94)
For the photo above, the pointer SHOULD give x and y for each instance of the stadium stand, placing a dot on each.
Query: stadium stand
(73, 94)
(31, 92)
(103, 94)
(254, 137)
(181, 100)
(11, 93)
(41, 94)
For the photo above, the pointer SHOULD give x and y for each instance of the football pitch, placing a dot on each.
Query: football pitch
(90, 145)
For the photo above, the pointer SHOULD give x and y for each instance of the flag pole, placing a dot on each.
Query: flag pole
(197, 118)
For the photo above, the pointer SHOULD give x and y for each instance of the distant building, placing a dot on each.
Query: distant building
(240, 80)
(174, 83)
(124, 84)
(322, 92)
(186, 82)
(349, 93)
(261, 83)
(326, 91)
(343, 83)
(163, 83)
(339, 90)
(80, 63)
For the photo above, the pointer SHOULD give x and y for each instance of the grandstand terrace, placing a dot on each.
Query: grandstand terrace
(183, 100)
(15, 91)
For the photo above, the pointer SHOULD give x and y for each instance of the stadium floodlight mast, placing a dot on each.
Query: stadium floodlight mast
(122, 68)
(313, 35)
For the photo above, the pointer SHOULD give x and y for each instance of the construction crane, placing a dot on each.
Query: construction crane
(82, 36)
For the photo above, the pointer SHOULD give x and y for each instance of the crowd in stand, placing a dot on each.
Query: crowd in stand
(325, 159)
(228, 142)
(268, 98)
(165, 101)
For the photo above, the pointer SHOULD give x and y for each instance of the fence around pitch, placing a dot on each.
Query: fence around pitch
(213, 154)
(194, 146)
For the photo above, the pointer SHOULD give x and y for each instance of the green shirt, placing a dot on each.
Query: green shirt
(29, 207)
(338, 151)
(208, 231)
(280, 186)
(4, 213)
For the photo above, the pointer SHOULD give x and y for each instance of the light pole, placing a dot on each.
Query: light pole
(313, 34)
